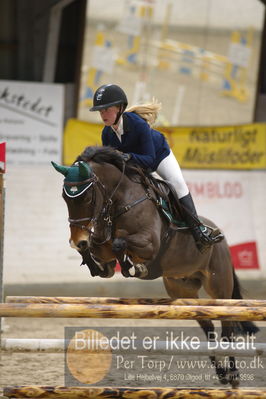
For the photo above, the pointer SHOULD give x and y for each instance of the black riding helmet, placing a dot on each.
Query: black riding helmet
(108, 95)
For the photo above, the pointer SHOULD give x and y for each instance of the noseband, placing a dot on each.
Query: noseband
(90, 183)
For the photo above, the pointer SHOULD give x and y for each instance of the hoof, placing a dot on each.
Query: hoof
(234, 378)
(223, 376)
(138, 271)
(132, 271)
(108, 271)
(223, 380)
(235, 383)
(125, 273)
(141, 271)
(135, 271)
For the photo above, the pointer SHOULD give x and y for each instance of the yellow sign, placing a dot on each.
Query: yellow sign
(222, 147)
(78, 135)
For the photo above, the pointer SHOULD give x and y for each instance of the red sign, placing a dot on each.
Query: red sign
(2, 157)
(244, 256)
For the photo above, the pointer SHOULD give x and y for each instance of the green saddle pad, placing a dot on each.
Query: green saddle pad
(167, 213)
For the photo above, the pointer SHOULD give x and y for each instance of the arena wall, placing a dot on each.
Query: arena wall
(36, 249)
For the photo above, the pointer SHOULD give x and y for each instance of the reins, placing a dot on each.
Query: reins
(106, 211)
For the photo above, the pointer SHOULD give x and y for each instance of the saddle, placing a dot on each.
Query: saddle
(170, 207)
(167, 201)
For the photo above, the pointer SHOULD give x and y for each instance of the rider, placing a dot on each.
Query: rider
(129, 131)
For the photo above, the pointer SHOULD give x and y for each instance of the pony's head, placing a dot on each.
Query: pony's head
(83, 191)
(79, 197)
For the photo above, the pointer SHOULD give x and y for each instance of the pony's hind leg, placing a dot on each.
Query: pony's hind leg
(229, 332)
(189, 288)
(218, 363)
(220, 282)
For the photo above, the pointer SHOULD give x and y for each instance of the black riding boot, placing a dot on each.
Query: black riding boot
(203, 236)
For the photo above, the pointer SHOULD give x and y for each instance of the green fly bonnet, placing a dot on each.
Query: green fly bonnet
(78, 178)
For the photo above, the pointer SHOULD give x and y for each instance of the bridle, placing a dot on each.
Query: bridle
(94, 182)
(106, 211)
(90, 183)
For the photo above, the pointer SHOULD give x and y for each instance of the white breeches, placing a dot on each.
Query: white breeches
(169, 170)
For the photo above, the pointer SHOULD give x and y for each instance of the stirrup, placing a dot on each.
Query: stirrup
(206, 236)
(213, 233)
(216, 235)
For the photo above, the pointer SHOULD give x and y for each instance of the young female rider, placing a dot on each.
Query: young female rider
(130, 133)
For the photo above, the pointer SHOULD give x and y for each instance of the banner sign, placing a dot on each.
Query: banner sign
(223, 147)
(224, 197)
(31, 121)
(230, 147)
(2, 157)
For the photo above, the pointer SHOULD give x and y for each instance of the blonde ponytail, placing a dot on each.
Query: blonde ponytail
(148, 112)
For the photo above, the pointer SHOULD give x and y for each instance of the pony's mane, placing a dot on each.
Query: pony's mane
(106, 154)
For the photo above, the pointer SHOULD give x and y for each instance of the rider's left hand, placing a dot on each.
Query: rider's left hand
(126, 157)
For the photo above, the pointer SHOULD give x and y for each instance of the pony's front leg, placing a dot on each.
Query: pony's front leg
(98, 267)
(131, 269)
(128, 268)
(135, 253)
(94, 267)
(119, 248)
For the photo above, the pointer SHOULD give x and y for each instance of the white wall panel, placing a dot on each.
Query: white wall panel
(36, 245)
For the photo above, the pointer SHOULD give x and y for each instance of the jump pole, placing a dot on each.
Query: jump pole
(117, 311)
(137, 301)
(52, 345)
(2, 202)
(58, 392)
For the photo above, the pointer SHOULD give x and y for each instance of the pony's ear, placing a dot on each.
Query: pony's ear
(60, 168)
(85, 170)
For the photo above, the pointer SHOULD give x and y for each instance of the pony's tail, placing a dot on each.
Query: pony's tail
(246, 327)
(149, 112)
(237, 288)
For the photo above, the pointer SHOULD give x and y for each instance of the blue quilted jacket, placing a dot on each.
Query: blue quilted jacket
(147, 146)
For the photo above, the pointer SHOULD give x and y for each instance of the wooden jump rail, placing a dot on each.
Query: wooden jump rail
(136, 301)
(137, 308)
(134, 311)
(36, 392)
